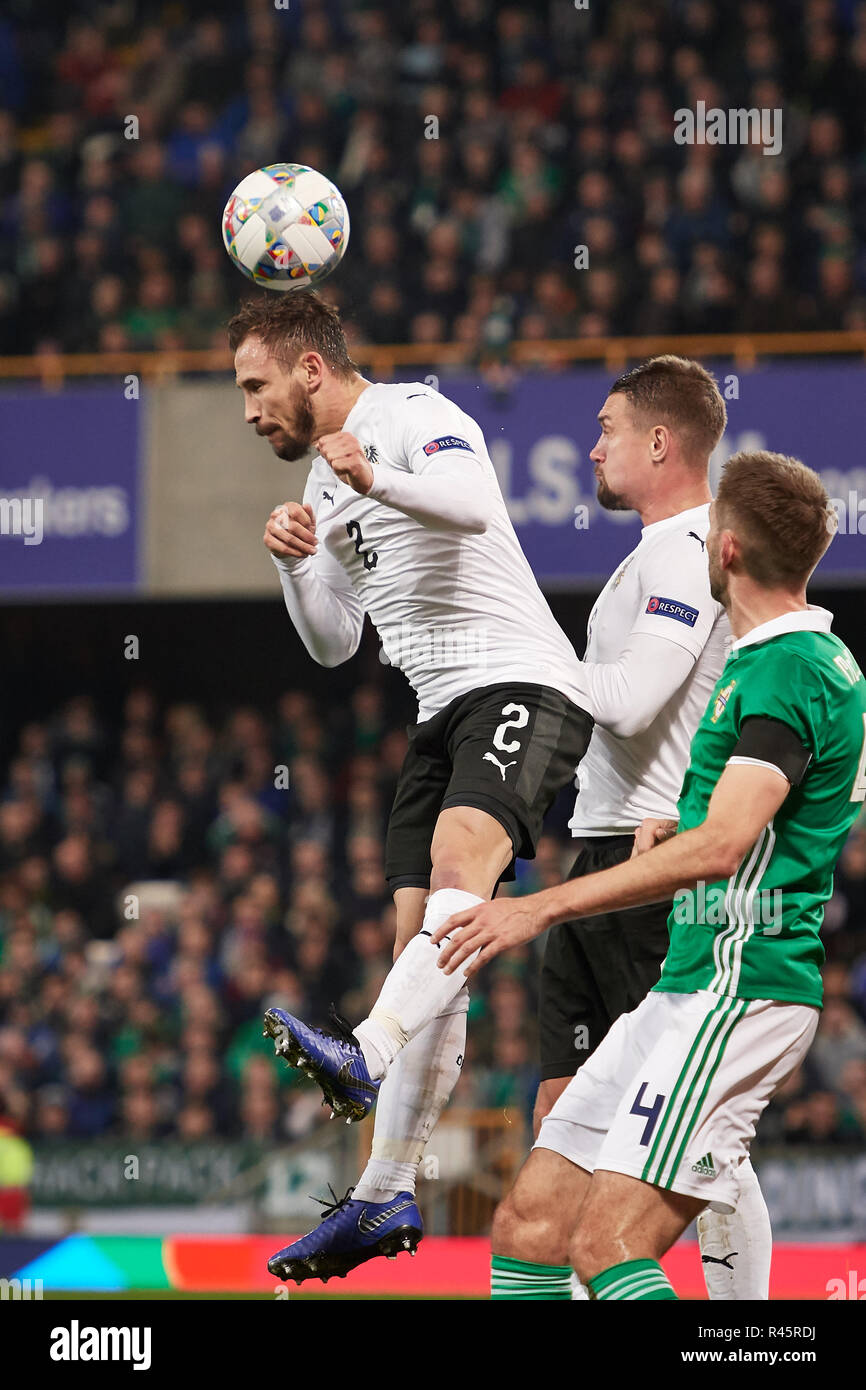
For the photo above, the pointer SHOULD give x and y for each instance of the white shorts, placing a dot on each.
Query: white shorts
(674, 1092)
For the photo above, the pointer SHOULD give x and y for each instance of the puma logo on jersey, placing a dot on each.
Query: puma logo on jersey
(503, 767)
(697, 538)
(330, 495)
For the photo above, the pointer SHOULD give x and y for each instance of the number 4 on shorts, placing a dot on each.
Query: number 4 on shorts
(649, 1112)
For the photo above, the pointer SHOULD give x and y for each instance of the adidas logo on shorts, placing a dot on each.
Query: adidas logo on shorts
(705, 1168)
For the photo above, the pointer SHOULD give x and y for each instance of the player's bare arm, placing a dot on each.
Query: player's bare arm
(346, 457)
(290, 532)
(745, 800)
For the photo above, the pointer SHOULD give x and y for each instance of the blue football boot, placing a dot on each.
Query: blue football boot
(349, 1233)
(334, 1063)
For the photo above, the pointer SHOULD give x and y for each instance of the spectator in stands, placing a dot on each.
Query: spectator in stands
(841, 1038)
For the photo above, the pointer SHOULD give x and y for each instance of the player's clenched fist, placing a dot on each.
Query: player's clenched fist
(346, 457)
(651, 832)
(291, 531)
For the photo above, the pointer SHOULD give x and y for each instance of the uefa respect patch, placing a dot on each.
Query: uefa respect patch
(672, 608)
(448, 441)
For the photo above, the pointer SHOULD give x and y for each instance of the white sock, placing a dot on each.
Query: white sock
(743, 1239)
(416, 990)
(410, 1101)
(579, 1292)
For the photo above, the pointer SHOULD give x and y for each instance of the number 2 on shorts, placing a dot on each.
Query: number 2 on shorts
(519, 718)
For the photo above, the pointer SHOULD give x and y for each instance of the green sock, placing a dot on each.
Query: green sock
(638, 1279)
(522, 1279)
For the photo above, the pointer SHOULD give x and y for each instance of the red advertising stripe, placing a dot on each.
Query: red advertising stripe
(236, 1264)
(460, 1267)
(799, 1272)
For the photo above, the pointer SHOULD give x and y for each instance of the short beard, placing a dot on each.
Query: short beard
(611, 501)
(296, 445)
(718, 587)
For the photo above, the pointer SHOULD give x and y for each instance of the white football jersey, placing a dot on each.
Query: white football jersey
(663, 589)
(454, 612)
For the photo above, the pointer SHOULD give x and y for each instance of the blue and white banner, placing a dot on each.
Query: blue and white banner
(540, 435)
(74, 465)
(69, 471)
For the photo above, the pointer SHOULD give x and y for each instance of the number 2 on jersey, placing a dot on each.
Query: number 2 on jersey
(370, 557)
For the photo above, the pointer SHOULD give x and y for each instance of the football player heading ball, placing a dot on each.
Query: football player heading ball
(402, 519)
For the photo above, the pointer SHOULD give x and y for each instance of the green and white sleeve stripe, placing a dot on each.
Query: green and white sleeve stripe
(743, 887)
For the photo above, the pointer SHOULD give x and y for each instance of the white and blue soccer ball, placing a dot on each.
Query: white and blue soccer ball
(286, 227)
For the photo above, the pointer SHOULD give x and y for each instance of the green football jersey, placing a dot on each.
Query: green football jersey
(756, 935)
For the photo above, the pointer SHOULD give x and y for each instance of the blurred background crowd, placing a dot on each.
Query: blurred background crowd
(478, 144)
(166, 878)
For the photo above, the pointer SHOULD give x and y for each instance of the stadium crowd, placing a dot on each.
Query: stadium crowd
(478, 144)
(164, 881)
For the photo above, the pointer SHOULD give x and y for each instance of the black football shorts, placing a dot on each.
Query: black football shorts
(597, 968)
(505, 749)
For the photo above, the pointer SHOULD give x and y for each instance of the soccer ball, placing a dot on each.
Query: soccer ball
(286, 227)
